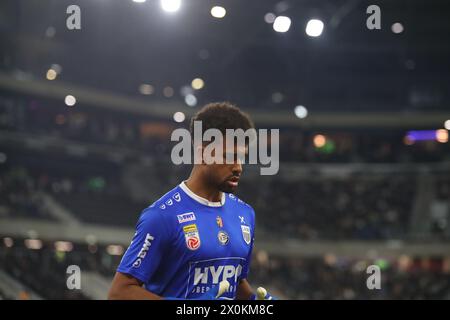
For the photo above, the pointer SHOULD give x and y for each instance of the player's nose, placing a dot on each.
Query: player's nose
(237, 168)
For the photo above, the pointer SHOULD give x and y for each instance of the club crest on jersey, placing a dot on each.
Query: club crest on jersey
(223, 237)
(186, 217)
(246, 234)
(191, 236)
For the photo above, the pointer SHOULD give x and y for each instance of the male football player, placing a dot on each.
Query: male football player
(198, 236)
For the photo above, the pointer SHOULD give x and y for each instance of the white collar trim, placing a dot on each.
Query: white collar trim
(204, 201)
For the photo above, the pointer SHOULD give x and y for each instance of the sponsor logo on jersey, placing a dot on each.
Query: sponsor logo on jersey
(163, 206)
(219, 222)
(186, 217)
(246, 234)
(223, 237)
(204, 274)
(191, 236)
(242, 219)
(145, 247)
(177, 197)
(169, 202)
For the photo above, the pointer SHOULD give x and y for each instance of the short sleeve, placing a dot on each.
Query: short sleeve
(146, 250)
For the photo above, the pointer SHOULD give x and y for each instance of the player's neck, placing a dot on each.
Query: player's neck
(197, 185)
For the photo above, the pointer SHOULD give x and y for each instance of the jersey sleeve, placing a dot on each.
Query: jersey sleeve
(246, 267)
(149, 243)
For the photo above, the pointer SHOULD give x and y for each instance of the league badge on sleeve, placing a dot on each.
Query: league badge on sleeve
(246, 234)
(191, 236)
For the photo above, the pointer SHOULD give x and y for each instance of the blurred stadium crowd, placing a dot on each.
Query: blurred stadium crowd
(365, 204)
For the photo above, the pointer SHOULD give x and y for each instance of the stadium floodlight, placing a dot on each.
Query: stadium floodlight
(146, 89)
(197, 83)
(314, 28)
(70, 100)
(51, 74)
(170, 5)
(179, 116)
(319, 140)
(218, 12)
(269, 17)
(442, 136)
(447, 124)
(190, 100)
(282, 24)
(301, 112)
(397, 28)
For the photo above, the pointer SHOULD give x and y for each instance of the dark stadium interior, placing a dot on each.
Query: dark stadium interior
(354, 188)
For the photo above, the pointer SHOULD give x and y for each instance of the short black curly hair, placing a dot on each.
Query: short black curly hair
(222, 116)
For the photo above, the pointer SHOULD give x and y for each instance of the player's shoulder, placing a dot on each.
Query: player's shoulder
(166, 205)
(239, 203)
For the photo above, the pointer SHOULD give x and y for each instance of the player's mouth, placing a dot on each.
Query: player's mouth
(233, 182)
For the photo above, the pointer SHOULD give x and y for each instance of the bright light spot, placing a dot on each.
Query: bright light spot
(190, 100)
(319, 140)
(146, 89)
(168, 92)
(277, 97)
(114, 250)
(442, 136)
(409, 140)
(70, 100)
(64, 246)
(34, 244)
(139, 1)
(9, 242)
(51, 74)
(197, 83)
(218, 12)
(3, 157)
(397, 28)
(447, 124)
(281, 24)
(314, 28)
(300, 112)
(170, 5)
(179, 116)
(269, 17)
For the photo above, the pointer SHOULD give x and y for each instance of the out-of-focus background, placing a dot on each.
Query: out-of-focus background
(86, 117)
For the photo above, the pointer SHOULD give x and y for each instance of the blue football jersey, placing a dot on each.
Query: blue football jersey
(184, 244)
